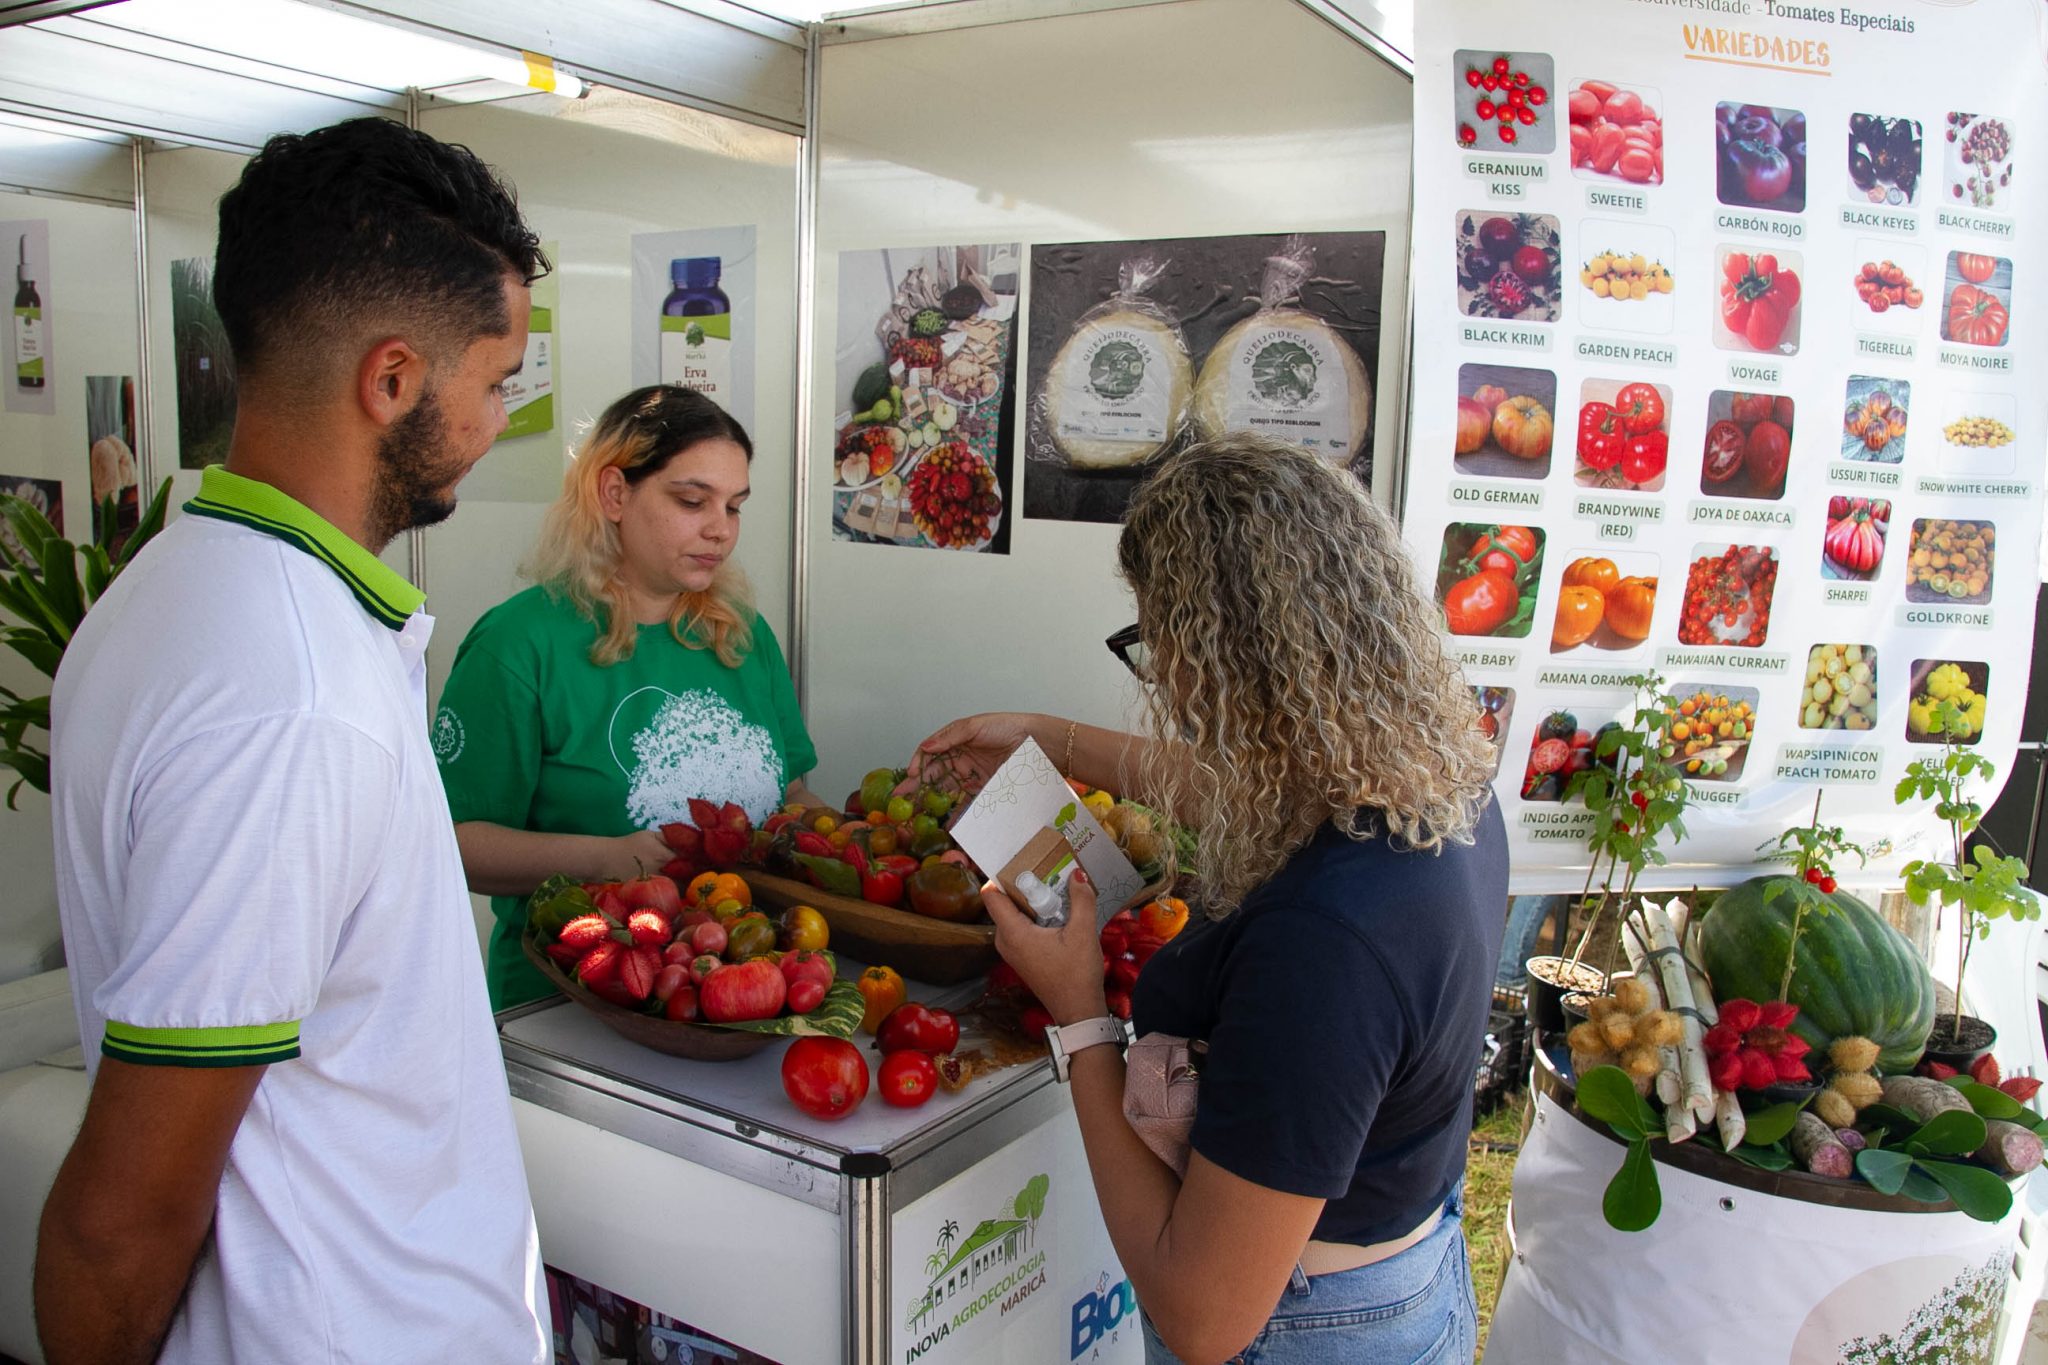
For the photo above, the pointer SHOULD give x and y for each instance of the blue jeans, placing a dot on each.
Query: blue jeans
(1409, 1309)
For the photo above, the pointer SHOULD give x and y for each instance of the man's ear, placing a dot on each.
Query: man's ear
(390, 380)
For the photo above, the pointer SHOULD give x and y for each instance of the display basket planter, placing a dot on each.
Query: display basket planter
(1824, 1271)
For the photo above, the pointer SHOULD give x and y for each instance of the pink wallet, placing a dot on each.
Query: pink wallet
(1162, 1077)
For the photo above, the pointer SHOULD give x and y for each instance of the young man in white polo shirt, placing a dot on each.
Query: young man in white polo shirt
(299, 1145)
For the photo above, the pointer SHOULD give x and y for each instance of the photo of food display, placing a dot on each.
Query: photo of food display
(921, 436)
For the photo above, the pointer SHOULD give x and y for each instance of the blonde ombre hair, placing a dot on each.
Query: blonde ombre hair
(578, 553)
(1295, 673)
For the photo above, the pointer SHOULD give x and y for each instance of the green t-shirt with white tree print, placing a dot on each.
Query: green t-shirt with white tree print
(531, 734)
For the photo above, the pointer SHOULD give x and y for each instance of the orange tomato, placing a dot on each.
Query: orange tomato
(1164, 917)
(1629, 607)
(1598, 574)
(730, 886)
(1579, 610)
(700, 888)
(882, 988)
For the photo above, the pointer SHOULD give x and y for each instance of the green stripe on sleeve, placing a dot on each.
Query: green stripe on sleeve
(246, 1045)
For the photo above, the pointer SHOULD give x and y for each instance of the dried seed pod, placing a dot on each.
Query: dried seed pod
(1632, 995)
(1618, 1030)
(1859, 1088)
(1585, 1038)
(1852, 1054)
(1661, 1027)
(1640, 1062)
(1834, 1111)
(1601, 1006)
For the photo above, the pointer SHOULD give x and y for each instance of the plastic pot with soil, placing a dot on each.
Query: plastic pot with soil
(1550, 980)
(1958, 1047)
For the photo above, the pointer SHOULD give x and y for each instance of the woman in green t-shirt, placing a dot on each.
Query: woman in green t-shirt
(583, 713)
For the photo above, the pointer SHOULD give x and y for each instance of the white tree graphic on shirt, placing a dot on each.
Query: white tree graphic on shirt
(697, 744)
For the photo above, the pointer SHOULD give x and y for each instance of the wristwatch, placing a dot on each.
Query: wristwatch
(1068, 1039)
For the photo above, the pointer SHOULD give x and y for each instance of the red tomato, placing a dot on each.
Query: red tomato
(1765, 455)
(1749, 408)
(907, 1079)
(827, 1078)
(1643, 461)
(1758, 299)
(1601, 437)
(1781, 411)
(1641, 408)
(1976, 317)
(1481, 604)
(1519, 541)
(1723, 453)
(1975, 268)
(918, 1028)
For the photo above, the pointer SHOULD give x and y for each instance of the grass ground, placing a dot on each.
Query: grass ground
(1489, 1166)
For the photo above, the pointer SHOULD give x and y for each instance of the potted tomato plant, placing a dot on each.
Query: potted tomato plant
(1981, 884)
(1637, 800)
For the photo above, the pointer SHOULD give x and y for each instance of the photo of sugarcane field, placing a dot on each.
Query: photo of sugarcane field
(205, 367)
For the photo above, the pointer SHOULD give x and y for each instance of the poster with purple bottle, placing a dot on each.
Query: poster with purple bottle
(693, 313)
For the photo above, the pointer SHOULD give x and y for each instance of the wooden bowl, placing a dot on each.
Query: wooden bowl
(697, 1042)
(936, 951)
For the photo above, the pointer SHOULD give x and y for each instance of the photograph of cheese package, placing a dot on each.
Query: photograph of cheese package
(1139, 348)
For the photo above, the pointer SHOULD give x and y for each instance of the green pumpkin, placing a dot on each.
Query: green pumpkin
(1855, 974)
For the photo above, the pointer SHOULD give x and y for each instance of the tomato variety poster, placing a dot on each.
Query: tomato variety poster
(1728, 336)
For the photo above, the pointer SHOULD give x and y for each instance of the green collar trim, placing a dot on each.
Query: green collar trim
(230, 497)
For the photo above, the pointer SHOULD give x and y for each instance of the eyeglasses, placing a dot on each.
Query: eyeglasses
(1129, 649)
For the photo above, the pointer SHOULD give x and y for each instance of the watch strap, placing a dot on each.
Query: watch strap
(1068, 1039)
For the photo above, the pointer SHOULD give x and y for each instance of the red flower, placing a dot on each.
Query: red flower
(1752, 1047)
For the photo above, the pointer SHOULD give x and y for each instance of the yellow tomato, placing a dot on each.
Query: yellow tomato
(801, 928)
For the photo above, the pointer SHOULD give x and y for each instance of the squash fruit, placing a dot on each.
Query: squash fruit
(1855, 974)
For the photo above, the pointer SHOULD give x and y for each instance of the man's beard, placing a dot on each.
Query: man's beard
(417, 473)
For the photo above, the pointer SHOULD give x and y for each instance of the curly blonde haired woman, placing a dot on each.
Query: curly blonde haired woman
(1354, 870)
(583, 714)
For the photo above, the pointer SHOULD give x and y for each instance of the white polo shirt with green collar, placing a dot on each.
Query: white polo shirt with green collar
(256, 865)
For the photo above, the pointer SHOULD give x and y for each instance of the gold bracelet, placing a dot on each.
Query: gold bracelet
(1067, 768)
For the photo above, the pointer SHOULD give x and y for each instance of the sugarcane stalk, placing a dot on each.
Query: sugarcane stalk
(1698, 1089)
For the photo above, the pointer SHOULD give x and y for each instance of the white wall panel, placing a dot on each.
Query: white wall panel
(1211, 116)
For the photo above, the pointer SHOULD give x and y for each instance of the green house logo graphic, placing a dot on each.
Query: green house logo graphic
(1284, 374)
(958, 1265)
(1116, 371)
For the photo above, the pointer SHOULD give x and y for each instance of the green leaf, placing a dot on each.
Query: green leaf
(33, 765)
(833, 875)
(151, 522)
(1988, 1101)
(30, 526)
(1880, 1121)
(1956, 1132)
(60, 582)
(1633, 1199)
(1922, 1186)
(1606, 1093)
(837, 1017)
(1886, 1171)
(1767, 1126)
(1975, 1190)
(35, 646)
(1771, 1158)
(99, 572)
